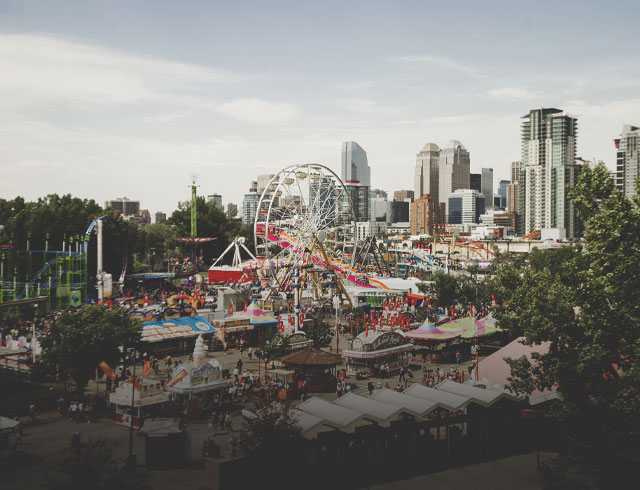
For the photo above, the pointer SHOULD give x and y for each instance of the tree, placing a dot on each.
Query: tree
(273, 343)
(443, 288)
(79, 340)
(320, 332)
(584, 302)
(272, 437)
(93, 466)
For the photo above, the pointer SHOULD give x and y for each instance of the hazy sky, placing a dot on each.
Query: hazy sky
(123, 98)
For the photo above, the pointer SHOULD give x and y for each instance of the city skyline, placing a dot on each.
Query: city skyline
(97, 100)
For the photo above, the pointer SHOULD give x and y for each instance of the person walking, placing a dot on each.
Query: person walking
(458, 356)
(401, 373)
(370, 387)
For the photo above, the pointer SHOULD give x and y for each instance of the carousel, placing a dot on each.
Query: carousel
(373, 348)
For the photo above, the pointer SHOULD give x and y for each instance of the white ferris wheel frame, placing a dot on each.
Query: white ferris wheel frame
(270, 193)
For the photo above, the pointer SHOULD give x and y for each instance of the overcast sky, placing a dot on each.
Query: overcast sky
(124, 98)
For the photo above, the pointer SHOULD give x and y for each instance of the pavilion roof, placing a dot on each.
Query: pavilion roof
(310, 356)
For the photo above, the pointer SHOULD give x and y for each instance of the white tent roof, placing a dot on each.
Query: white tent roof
(409, 404)
(332, 414)
(446, 400)
(306, 421)
(478, 395)
(372, 409)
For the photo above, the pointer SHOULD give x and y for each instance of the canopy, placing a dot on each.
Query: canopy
(428, 331)
(257, 316)
(188, 326)
(484, 329)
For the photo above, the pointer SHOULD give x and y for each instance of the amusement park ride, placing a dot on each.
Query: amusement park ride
(58, 277)
(305, 243)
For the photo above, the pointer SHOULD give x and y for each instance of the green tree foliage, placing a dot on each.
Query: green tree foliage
(273, 425)
(94, 466)
(584, 302)
(273, 343)
(320, 332)
(445, 289)
(54, 215)
(272, 437)
(79, 340)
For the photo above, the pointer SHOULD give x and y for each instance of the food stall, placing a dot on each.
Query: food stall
(174, 335)
(198, 384)
(148, 401)
(314, 366)
(372, 349)
(233, 328)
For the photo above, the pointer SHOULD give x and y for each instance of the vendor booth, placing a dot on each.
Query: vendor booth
(245, 324)
(314, 366)
(148, 401)
(174, 335)
(198, 384)
(371, 349)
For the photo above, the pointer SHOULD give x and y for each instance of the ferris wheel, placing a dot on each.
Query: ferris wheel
(305, 223)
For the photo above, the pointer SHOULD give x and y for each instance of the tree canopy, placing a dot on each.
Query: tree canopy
(78, 340)
(320, 332)
(584, 302)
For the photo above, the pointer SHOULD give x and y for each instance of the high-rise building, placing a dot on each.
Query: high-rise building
(403, 195)
(250, 204)
(487, 187)
(512, 198)
(503, 187)
(232, 210)
(355, 166)
(426, 177)
(379, 209)
(216, 199)
(263, 182)
(399, 211)
(548, 167)
(160, 217)
(454, 170)
(475, 182)
(359, 194)
(627, 160)
(465, 206)
(512, 191)
(124, 206)
(516, 167)
(426, 215)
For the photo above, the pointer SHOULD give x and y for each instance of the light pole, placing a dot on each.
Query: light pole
(336, 305)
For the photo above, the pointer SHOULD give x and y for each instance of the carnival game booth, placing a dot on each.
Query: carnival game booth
(245, 325)
(371, 349)
(315, 366)
(174, 335)
(198, 384)
(148, 401)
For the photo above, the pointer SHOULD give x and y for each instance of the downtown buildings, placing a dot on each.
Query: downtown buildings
(548, 167)
(627, 160)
